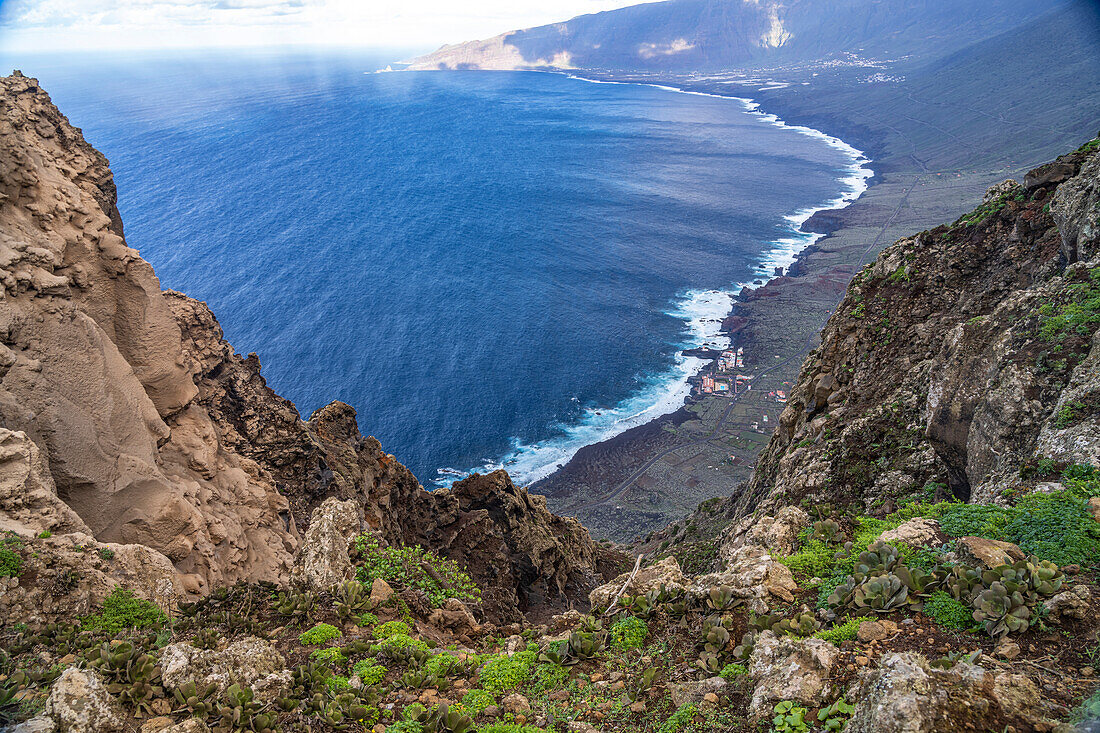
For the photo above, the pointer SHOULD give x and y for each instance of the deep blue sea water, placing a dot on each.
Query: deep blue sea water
(491, 267)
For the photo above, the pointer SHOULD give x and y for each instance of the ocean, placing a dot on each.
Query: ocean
(492, 268)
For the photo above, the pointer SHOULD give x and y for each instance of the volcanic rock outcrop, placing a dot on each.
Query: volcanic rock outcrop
(955, 358)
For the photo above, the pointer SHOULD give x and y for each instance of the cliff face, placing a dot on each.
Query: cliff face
(956, 360)
(144, 427)
(94, 371)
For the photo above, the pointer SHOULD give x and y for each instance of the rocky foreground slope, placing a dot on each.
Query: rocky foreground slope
(917, 551)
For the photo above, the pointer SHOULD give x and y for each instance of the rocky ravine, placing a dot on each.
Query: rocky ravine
(128, 420)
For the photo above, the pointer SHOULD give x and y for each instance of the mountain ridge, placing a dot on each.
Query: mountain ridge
(710, 35)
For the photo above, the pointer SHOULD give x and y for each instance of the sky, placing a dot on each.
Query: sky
(46, 25)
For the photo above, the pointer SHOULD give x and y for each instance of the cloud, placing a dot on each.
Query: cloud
(44, 24)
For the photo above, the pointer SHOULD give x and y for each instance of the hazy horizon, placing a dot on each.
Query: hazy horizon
(77, 25)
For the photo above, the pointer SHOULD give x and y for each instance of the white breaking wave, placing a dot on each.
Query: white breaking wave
(702, 312)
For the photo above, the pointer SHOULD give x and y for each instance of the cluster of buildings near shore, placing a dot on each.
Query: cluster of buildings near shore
(725, 377)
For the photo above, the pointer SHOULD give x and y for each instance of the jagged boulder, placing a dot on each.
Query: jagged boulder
(905, 695)
(665, 571)
(753, 574)
(1074, 206)
(28, 498)
(917, 532)
(785, 668)
(249, 662)
(454, 616)
(1075, 603)
(323, 560)
(778, 533)
(79, 703)
(986, 553)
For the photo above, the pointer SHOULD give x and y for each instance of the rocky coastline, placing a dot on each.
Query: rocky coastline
(917, 550)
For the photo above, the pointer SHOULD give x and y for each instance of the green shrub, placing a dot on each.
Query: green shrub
(397, 642)
(441, 665)
(549, 676)
(845, 631)
(391, 628)
(1074, 311)
(122, 610)
(405, 726)
(628, 633)
(678, 719)
(732, 671)
(337, 684)
(106, 553)
(978, 520)
(366, 620)
(369, 672)
(11, 562)
(922, 558)
(414, 567)
(476, 701)
(948, 612)
(1055, 527)
(333, 655)
(501, 672)
(814, 559)
(319, 634)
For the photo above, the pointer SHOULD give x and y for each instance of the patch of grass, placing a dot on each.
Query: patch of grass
(845, 631)
(977, 520)
(732, 671)
(549, 676)
(1075, 311)
(333, 655)
(1055, 526)
(391, 628)
(414, 567)
(501, 672)
(405, 726)
(396, 643)
(813, 559)
(942, 608)
(628, 633)
(11, 561)
(678, 720)
(122, 610)
(475, 701)
(697, 558)
(369, 672)
(319, 634)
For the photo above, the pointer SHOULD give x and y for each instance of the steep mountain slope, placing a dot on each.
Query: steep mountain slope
(1010, 101)
(959, 358)
(702, 35)
(128, 419)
